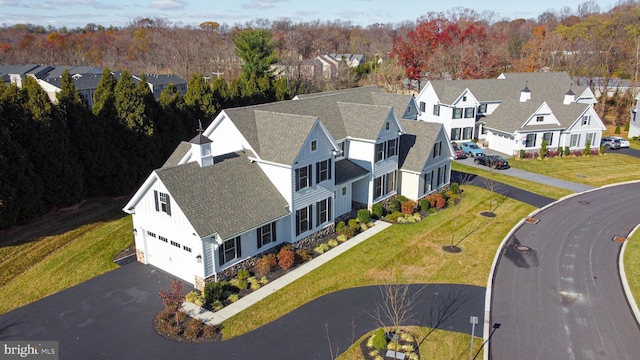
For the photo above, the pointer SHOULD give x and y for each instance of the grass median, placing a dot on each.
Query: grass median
(599, 170)
(534, 187)
(632, 265)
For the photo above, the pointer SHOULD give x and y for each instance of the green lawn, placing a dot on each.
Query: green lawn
(534, 187)
(410, 253)
(590, 170)
(36, 266)
(632, 265)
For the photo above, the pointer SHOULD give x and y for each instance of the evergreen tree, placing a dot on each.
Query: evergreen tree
(174, 125)
(200, 100)
(257, 50)
(50, 150)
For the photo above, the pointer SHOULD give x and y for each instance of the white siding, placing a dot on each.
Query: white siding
(362, 153)
(280, 176)
(409, 183)
(342, 202)
(225, 136)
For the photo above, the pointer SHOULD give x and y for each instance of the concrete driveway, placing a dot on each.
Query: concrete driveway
(557, 291)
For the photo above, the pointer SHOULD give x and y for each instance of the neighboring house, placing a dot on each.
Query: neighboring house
(264, 175)
(514, 112)
(325, 65)
(634, 124)
(86, 79)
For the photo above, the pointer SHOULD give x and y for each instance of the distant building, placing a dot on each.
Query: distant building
(325, 66)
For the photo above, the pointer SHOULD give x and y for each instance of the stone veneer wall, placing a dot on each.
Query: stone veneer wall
(309, 242)
(140, 256)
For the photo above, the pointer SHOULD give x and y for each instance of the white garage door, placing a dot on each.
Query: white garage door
(170, 256)
(501, 143)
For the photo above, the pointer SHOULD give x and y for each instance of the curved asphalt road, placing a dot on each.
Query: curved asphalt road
(563, 298)
(109, 317)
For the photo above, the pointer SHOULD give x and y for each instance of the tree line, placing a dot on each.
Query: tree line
(55, 155)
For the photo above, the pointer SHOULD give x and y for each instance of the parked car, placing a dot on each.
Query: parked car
(457, 152)
(610, 143)
(493, 161)
(624, 143)
(472, 149)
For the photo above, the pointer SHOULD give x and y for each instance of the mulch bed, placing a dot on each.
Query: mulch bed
(186, 329)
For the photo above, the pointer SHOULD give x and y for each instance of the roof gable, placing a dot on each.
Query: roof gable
(281, 136)
(416, 144)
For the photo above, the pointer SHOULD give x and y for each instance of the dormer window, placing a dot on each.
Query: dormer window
(386, 126)
(314, 145)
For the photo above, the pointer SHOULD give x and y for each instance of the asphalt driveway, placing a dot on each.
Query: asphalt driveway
(557, 290)
(110, 317)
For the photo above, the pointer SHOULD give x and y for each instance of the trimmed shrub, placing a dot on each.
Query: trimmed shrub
(302, 255)
(353, 223)
(566, 151)
(364, 216)
(454, 188)
(214, 291)
(617, 130)
(239, 283)
(401, 198)
(602, 149)
(341, 238)
(286, 257)
(394, 205)
(321, 249)
(378, 210)
(380, 340)
(436, 201)
(424, 204)
(626, 126)
(393, 217)
(408, 207)
(348, 232)
(587, 147)
(243, 274)
(340, 226)
(560, 151)
(522, 154)
(544, 148)
(266, 263)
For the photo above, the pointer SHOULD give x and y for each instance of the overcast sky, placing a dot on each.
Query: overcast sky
(78, 13)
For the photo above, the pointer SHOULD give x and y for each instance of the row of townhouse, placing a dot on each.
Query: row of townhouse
(85, 78)
(266, 175)
(514, 112)
(322, 66)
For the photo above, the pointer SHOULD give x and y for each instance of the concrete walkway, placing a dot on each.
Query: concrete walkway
(215, 318)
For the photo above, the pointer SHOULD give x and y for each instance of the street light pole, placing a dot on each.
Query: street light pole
(473, 320)
(495, 327)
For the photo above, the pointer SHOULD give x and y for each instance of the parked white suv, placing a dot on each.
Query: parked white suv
(624, 143)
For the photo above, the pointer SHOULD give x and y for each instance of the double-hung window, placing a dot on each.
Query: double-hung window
(229, 250)
(575, 139)
(392, 148)
(323, 170)
(482, 108)
(323, 211)
(303, 220)
(426, 187)
(531, 140)
(436, 110)
(455, 134)
(303, 177)
(590, 137)
(548, 137)
(437, 149)
(586, 120)
(467, 133)
(457, 113)
(266, 234)
(469, 112)
(379, 152)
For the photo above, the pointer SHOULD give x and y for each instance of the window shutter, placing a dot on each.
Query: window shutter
(155, 197)
(221, 254)
(238, 247)
(309, 178)
(297, 179)
(310, 217)
(259, 232)
(297, 222)
(317, 172)
(168, 204)
(273, 231)
(318, 213)
(329, 168)
(329, 209)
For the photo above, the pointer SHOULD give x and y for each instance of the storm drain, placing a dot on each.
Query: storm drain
(582, 202)
(619, 239)
(532, 221)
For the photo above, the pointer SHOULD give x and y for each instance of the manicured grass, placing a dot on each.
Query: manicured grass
(534, 187)
(434, 344)
(408, 253)
(35, 267)
(590, 170)
(632, 265)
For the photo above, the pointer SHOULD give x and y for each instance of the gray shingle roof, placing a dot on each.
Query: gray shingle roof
(511, 115)
(281, 136)
(177, 154)
(416, 143)
(228, 198)
(347, 170)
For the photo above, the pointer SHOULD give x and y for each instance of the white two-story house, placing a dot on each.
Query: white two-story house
(260, 176)
(514, 112)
